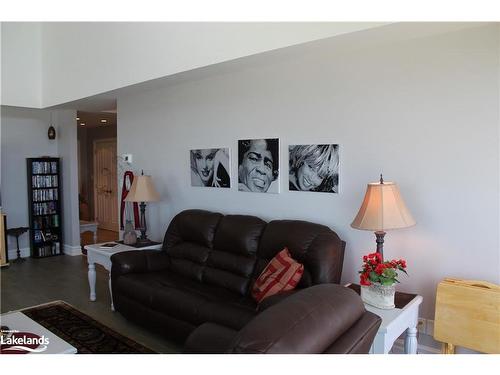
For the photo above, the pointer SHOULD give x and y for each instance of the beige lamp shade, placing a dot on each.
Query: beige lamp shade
(382, 209)
(142, 190)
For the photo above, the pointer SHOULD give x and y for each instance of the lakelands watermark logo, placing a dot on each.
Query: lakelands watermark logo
(12, 340)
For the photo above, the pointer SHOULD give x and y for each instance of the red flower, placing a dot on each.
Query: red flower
(373, 268)
(363, 280)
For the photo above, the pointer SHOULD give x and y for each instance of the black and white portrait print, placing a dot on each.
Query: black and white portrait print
(258, 165)
(314, 168)
(210, 167)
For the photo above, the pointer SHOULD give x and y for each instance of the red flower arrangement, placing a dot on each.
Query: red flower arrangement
(375, 270)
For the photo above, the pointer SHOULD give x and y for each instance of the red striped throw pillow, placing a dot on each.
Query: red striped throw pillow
(281, 274)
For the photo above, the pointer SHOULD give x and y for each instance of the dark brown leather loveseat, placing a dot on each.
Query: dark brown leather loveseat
(198, 288)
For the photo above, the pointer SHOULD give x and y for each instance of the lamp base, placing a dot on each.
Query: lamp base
(144, 240)
(380, 242)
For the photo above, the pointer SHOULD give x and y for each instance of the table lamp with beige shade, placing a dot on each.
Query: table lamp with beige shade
(382, 209)
(142, 191)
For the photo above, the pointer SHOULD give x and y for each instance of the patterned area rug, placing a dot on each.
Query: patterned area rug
(87, 335)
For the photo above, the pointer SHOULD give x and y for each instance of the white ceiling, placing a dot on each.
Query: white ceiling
(93, 119)
(342, 44)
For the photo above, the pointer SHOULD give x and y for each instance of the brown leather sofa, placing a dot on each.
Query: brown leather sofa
(198, 288)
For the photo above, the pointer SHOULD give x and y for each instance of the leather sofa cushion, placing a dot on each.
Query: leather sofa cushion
(232, 314)
(238, 264)
(239, 234)
(231, 263)
(178, 303)
(227, 280)
(188, 259)
(196, 226)
(297, 235)
(316, 246)
(229, 270)
(187, 299)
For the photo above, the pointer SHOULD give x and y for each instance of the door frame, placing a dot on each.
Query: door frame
(94, 144)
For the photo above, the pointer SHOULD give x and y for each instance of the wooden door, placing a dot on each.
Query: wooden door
(105, 184)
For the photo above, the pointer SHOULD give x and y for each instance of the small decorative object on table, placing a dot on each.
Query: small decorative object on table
(129, 236)
(378, 279)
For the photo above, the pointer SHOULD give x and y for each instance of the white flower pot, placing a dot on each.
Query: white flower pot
(378, 295)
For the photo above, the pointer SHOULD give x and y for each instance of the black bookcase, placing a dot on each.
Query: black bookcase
(45, 206)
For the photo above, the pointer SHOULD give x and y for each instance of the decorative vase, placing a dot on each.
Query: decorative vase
(378, 295)
(129, 235)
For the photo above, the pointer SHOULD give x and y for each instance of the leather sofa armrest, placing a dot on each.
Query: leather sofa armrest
(209, 338)
(307, 322)
(359, 338)
(138, 261)
(273, 300)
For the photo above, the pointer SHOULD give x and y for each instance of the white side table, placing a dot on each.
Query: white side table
(404, 317)
(102, 256)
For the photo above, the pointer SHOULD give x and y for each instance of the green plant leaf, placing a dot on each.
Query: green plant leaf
(390, 273)
(386, 281)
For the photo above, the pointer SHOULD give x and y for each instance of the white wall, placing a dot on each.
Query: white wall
(81, 59)
(21, 62)
(424, 112)
(23, 135)
(68, 151)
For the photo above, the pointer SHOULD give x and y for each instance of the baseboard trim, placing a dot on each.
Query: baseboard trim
(25, 252)
(72, 250)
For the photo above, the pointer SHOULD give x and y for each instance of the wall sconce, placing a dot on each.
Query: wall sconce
(52, 132)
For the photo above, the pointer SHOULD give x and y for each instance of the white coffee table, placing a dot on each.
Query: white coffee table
(19, 322)
(395, 322)
(98, 255)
